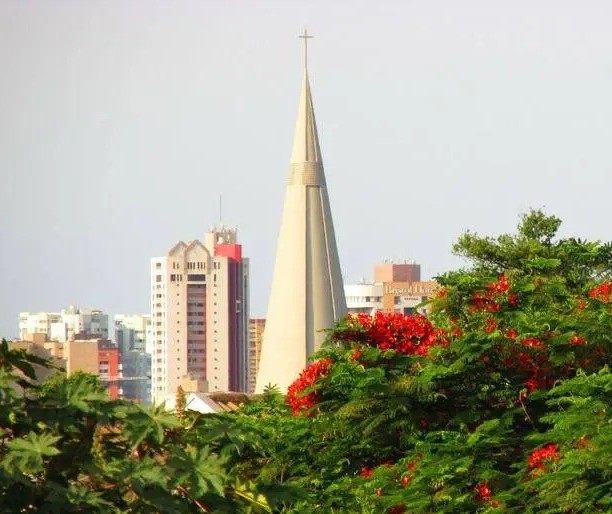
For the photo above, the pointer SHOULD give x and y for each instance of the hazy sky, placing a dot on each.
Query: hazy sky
(121, 123)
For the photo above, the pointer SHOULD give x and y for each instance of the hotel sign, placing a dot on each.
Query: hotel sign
(418, 288)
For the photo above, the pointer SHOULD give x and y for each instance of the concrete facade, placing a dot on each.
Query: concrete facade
(199, 315)
(256, 332)
(307, 294)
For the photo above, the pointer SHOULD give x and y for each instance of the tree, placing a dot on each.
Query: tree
(66, 447)
(500, 400)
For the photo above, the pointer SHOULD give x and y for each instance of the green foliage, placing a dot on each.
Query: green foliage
(66, 447)
(513, 414)
(506, 410)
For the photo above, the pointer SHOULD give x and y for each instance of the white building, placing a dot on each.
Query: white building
(363, 298)
(368, 299)
(132, 331)
(199, 315)
(65, 325)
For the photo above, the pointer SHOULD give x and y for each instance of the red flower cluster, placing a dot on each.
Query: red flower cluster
(577, 340)
(533, 342)
(296, 398)
(482, 491)
(410, 335)
(501, 286)
(532, 361)
(602, 292)
(366, 473)
(485, 302)
(406, 479)
(496, 291)
(356, 354)
(539, 457)
(490, 326)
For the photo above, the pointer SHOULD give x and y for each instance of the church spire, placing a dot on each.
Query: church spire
(306, 140)
(307, 295)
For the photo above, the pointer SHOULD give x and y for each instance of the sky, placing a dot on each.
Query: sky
(123, 122)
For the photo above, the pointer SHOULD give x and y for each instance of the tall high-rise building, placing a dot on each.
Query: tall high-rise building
(199, 315)
(307, 294)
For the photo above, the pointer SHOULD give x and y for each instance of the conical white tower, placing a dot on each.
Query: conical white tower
(307, 293)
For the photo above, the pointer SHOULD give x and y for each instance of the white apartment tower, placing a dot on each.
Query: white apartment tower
(307, 294)
(199, 315)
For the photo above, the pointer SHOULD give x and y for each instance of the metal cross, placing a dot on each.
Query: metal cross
(305, 37)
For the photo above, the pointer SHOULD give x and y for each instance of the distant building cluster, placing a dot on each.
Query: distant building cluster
(65, 325)
(78, 339)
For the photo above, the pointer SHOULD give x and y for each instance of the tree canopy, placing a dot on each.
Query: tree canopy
(499, 400)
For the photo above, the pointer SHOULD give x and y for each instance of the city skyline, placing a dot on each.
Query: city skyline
(435, 119)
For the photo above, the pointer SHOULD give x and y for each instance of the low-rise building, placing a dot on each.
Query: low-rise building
(397, 287)
(97, 356)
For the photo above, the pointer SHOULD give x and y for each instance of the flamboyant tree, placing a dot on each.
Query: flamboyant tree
(500, 400)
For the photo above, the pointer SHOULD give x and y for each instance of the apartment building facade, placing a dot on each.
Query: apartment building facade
(199, 315)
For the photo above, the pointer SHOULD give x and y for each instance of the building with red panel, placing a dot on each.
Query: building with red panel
(199, 315)
(108, 366)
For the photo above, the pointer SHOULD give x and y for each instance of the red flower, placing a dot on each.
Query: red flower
(533, 342)
(512, 299)
(532, 384)
(501, 286)
(602, 292)
(410, 335)
(366, 473)
(493, 307)
(482, 491)
(539, 457)
(356, 354)
(577, 340)
(406, 480)
(511, 334)
(490, 326)
(296, 397)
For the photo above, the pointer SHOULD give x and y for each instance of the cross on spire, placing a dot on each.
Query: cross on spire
(305, 37)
